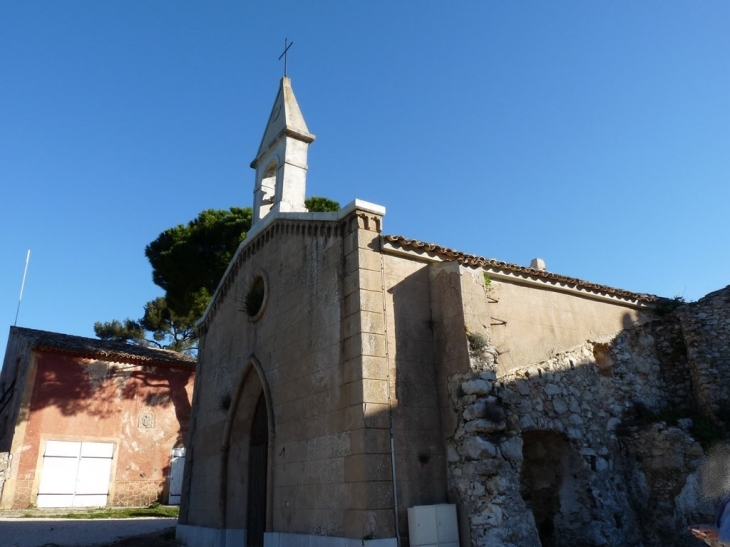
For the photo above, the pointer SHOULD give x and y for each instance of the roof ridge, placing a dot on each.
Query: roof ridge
(71, 343)
(480, 261)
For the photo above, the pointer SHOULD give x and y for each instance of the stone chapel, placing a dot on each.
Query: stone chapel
(346, 375)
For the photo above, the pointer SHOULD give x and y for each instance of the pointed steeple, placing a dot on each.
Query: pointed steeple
(281, 161)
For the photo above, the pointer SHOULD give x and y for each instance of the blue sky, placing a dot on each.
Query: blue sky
(594, 135)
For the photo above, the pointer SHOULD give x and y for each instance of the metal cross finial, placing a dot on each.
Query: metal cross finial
(286, 48)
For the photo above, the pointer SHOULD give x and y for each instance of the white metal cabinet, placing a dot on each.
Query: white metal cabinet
(433, 526)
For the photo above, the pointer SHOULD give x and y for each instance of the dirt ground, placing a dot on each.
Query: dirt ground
(37, 527)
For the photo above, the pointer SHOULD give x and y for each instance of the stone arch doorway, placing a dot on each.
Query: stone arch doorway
(257, 475)
(246, 478)
(554, 485)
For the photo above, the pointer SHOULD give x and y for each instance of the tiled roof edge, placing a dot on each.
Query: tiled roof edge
(108, 349)
(481, 262)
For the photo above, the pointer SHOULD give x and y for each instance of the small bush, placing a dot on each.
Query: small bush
(477, 341)
(487, 281)
(665, 306)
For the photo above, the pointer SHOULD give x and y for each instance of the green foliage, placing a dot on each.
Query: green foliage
(665, 306)
(189, 260)
(154, 510)
(487, 281)
(168, 329)
(317, 204)
(125, 331)
(477, 341)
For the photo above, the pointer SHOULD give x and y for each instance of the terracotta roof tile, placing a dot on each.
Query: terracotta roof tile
(92, 347)
(482, 262)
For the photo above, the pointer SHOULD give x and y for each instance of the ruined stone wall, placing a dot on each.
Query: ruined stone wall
(573, 449)
(544, 439)
(706, 331)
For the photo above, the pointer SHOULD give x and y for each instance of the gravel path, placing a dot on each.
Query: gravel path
(32, 532)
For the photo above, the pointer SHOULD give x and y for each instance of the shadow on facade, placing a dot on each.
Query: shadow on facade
(96, 388)
(596, 444)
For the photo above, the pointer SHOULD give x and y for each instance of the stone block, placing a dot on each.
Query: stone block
(352, 370)
(369, 260)
(329, 446)
(370, 495)
(374, 367)
(290, 474)
(371, 280)
(363, 322)
(476, 448)
(374, 391)
(364, 344)
(325, 471)
(363, 300)
(376, 415)
(354, 417)
(370, 441)
(476, 386)
(361, 239)
(353, 391)
(368, 467)
(484, 426)
(291, 452)
(415, 418)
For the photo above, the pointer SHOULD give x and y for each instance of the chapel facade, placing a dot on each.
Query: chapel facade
(345, 375)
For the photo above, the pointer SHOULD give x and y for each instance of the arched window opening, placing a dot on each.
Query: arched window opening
(268, 189)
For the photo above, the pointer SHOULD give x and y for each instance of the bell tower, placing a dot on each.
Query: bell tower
(281, 162)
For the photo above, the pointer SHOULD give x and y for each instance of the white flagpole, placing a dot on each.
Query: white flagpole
(22, 286)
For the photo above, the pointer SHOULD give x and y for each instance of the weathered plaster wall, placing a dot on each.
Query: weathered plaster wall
(529, 322)
(77, 399)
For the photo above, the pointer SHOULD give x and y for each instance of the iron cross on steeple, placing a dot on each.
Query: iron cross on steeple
(286, 48)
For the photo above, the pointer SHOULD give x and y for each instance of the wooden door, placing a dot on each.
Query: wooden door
(177, 465)
(257, 468)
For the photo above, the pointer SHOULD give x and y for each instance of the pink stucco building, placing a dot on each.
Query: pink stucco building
(86, 422)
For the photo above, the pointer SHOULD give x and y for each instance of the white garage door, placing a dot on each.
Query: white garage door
(75, 474)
